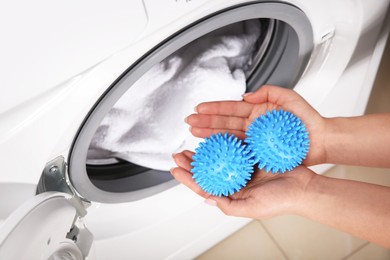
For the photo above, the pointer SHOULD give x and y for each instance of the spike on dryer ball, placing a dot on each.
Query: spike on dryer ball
(279, 141)
(222, 165)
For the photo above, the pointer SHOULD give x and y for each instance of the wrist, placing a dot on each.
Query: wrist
(333, 140)
(303, 183)
(311, 196)
(318, 141)
(327, 138)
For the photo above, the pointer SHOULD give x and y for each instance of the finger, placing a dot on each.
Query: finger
(183, 161)
(217, 121)
(232, 207)
(185, 177)
(189, 154)
(227, 108)
(206, 132)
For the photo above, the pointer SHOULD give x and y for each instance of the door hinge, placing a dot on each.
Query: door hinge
(54, 178)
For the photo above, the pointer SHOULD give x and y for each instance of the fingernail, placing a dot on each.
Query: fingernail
(210, 202)
(186, 119)
(247, 94)
(196, 109)
(190, 128)
(173, 155)
(171, 170)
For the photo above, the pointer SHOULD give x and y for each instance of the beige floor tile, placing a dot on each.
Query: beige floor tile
(250, 242)
(371, 251)
(302, 239)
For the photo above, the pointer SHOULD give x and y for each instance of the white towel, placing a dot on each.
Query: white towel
(147, 124)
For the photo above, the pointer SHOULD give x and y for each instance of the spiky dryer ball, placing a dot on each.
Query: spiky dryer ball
(279, 141)
(222, 165)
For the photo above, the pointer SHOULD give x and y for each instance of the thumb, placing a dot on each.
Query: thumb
(230, 207)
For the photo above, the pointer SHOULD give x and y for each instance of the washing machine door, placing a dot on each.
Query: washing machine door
(48, 226)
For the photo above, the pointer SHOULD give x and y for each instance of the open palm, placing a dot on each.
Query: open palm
(266, 195)
(235, 117)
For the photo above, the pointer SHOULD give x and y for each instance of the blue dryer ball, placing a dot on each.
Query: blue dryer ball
(222, 165)
(279, 141)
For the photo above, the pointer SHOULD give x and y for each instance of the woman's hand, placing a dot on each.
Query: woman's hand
(359, 140)
(358, 208)
(235, 117)
(266, 195)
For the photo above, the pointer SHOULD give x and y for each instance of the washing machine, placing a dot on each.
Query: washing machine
(65, 65)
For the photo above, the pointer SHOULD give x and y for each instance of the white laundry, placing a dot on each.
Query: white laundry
(147, 124)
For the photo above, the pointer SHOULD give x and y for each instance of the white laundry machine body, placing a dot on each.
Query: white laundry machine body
(65, 64)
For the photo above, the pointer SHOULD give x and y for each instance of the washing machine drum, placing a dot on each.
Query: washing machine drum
(279, 56)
